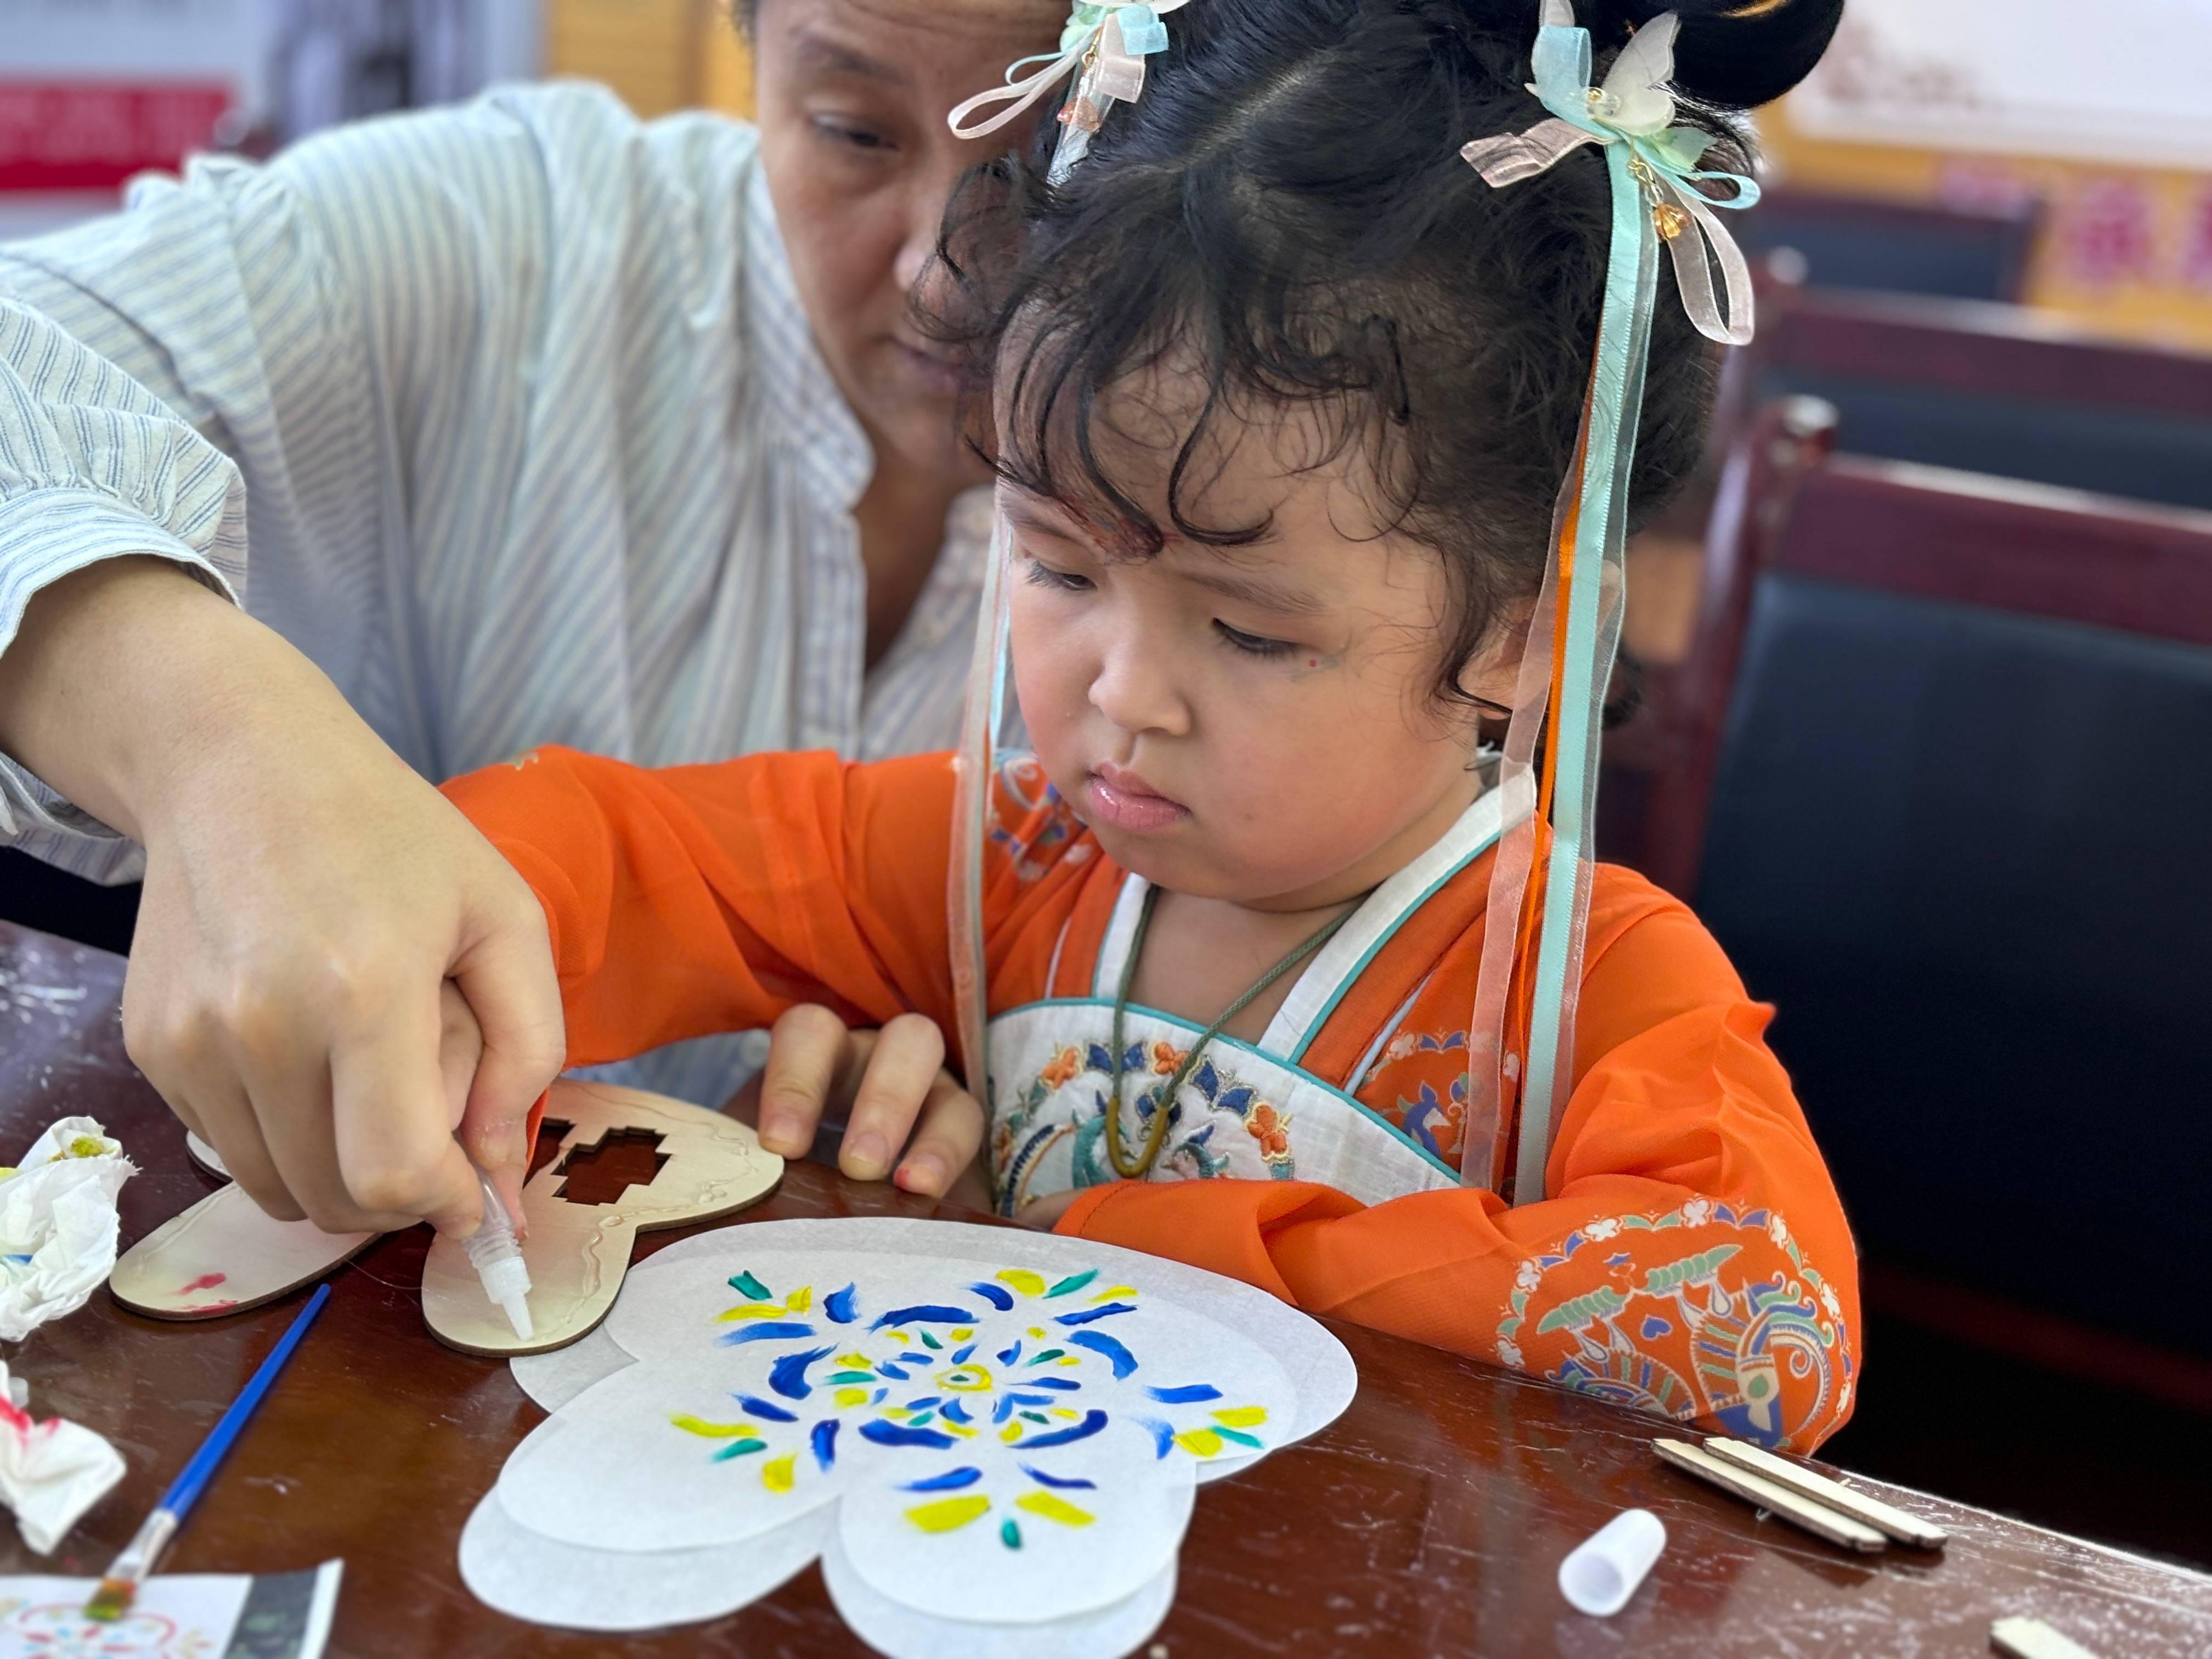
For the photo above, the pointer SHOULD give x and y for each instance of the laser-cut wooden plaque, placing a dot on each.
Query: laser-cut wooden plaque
(709, 1166)
(223, 1256)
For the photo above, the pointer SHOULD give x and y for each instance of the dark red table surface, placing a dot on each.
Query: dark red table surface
(1429, 1519)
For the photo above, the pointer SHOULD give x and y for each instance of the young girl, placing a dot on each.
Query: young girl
(1286, 393)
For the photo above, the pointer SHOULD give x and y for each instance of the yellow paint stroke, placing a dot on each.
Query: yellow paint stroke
(1037, 1331)
(1023, 1280)
(800, 1299)
(1061, 1410)
(900, 1337)
(1071, 1360)
(1199, 1443)
(962, 1334)
(1119, 1289)
(1010, 1433)
(855, 1362)
(954, 1428)
(707, 1430)
(749, 1311)
(849, 1397)
(1241, 1417)
(948, 1514)
(775, 1474)
(1054, 1509)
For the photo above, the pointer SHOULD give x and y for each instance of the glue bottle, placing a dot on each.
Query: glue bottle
(497, 1258)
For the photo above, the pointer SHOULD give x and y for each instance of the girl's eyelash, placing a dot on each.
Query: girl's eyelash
(1060, 581)
(1252, 645)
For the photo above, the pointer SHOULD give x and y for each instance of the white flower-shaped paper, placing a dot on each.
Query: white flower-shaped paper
(991, 1438)
(58, 1224)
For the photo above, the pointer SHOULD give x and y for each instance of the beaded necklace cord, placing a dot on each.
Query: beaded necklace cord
(1133, 1167)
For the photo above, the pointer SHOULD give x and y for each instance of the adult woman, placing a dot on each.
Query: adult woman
(540, 425)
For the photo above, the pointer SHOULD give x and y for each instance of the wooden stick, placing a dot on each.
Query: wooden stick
(1882, 1517)
(2031, 1639)
(1815, 1518)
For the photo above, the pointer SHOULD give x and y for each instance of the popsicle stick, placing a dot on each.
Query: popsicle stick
(2031, 1639)
(1815, 1518)
(1882, 1517)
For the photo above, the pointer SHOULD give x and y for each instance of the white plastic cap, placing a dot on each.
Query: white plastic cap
(1600, 1575)
(507, 1283)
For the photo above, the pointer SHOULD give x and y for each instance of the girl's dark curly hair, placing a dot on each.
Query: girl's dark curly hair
(1286, 211)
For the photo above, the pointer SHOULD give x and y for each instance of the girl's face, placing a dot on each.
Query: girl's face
(1255, 724)
(853, 96)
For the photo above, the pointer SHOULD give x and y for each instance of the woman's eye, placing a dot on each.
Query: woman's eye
(1253, 645)
(849, 135)
(1060, 581)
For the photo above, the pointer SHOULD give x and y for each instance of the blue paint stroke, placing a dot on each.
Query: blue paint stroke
(1062, 1482)
(1190, 1394)
(1120, 1357)
(928, 1402)
(824, 1438)
(926, 1313)
(788, 1376)
(950, 1480)
(1091, 1423)
(1007, 1356)
(960, 1355)
(770, 1331)
(892, 1434)
(954, 1411)
(897, 1373)
(1063, 1383)
(767, 1408)
(997, 1295)
(838, 1305)
(1090, 1314)
(1163, 1434)
(918, 1359)
(1073, 1283)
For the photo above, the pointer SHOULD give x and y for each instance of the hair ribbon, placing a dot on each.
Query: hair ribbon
(1633, 107)
(1521, 1037)
(1108, 42)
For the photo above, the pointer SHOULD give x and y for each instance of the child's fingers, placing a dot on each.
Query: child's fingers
(909, 1052)
(807, 1051)
(947, 1137)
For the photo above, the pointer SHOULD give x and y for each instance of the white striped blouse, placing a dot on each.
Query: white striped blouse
(507, 416)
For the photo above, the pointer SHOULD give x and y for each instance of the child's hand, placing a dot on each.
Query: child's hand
(1044, 1213)
(895, 1083)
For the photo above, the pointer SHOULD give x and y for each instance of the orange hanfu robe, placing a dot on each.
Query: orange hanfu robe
(1694, 1261)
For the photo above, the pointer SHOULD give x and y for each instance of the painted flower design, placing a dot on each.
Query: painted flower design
(1163, 1057)
(927, 1428)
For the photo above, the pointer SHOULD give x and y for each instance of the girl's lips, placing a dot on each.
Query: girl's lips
(1124, 801)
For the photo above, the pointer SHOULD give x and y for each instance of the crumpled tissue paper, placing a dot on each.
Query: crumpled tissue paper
(57, 1238)
(51, 1473)
(58, 1225)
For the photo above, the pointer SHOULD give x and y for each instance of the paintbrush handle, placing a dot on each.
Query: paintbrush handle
(184, 1491)
(144, 1548)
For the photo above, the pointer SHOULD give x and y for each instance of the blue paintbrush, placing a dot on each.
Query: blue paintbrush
(114, 1597)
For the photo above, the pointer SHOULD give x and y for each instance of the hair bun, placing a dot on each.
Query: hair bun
(1732, 54)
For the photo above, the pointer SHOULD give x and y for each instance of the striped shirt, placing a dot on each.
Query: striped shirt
(507, 416)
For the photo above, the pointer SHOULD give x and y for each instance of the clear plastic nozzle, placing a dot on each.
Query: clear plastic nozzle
(493, 1252)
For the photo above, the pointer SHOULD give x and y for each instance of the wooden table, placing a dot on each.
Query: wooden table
(1429, 1519)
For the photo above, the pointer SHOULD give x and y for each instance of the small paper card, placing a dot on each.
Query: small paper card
(193, 1615)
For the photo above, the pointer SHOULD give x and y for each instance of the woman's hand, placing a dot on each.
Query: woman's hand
(307, 901)
(897, 1089)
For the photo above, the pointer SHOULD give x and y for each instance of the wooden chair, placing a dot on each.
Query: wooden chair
(1856, 242)
(1990, 388)
(1956, 823)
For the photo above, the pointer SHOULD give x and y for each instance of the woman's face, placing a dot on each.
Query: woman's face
(852, 101)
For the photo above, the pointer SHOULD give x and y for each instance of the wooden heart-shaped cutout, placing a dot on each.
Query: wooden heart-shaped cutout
(626, 1163)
